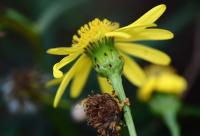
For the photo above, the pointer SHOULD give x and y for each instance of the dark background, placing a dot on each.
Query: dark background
(28, 28)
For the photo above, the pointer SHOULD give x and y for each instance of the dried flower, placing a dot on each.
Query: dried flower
(23, 91)
(103, 113)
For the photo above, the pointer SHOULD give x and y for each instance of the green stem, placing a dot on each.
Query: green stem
(170, 120)
(118, 87)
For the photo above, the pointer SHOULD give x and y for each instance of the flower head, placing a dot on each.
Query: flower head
(161, 79)
(104, 45)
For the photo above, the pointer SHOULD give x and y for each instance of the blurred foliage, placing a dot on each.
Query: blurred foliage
(28, 28)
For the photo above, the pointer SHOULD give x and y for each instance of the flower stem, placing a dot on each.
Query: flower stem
(167, 106)
(118, 87)
(170, 121)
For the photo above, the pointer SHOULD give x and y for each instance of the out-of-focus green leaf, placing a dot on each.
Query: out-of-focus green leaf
(14, 21)
(55, 10)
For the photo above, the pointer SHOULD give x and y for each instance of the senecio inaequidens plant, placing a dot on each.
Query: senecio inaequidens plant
(104, 46)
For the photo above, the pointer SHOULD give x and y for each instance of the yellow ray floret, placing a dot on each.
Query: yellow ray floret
(133, 72)
(80, 78)
(105, 85)
(148, 18)
(146, 53)
(66, 79)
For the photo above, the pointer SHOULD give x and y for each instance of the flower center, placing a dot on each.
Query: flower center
(93, 31)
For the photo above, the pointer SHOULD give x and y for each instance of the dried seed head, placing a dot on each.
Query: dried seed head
(23, 91)
(103, 113)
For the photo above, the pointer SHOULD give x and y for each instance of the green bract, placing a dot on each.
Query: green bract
(105, 57)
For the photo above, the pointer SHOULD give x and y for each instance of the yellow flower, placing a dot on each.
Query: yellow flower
(161, 79)
(122, 38)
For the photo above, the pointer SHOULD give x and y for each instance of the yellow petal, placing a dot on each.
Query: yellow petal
(53, 82)
(133, 72)
(145, 91)
(66, 79)
(118, 34)
(80, 77)
(171, 83)
(148, 18)
(155, 34)
(66, 60)
(135, 28)
(151, 16)
(62, 50)
(147, 34)
(146, 53)
(104, 85)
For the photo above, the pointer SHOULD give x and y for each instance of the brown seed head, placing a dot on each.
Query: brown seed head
(104, 114)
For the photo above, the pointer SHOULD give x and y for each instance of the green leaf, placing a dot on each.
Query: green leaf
(53, 12)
